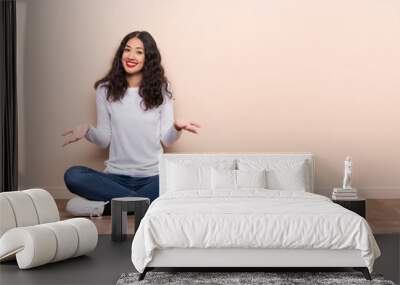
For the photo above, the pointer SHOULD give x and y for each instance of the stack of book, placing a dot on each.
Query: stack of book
(344, 194)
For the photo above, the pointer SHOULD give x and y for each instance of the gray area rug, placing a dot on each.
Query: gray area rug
(273, 278)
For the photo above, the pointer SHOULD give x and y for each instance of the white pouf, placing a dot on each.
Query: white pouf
(31, 232)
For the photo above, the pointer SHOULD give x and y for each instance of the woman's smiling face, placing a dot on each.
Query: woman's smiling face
(133, 56)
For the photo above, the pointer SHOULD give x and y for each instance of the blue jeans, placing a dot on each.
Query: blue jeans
(99, 186)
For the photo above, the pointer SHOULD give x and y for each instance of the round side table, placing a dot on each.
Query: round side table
(119, 215)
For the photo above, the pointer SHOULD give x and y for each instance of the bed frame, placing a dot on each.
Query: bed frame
(241, 259)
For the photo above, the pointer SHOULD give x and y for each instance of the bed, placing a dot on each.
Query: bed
(248, 210)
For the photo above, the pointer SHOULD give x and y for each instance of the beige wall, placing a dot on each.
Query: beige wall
(260, 76)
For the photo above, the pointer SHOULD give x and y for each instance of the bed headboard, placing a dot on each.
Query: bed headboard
(165, 157)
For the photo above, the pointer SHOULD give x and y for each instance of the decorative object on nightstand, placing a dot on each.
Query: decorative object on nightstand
(347, 196)
(356, 205)
(346, 192)
(347, 173)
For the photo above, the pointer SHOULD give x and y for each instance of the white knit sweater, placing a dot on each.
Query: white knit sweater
(134, 135)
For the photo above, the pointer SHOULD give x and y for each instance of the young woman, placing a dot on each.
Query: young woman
(134, 118)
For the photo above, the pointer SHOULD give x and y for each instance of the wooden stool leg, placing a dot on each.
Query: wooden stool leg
(140, 211)
(116, 221)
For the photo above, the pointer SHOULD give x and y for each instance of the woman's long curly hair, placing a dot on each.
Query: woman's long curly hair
(153, 78)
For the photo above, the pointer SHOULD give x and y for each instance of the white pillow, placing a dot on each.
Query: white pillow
(293, 179)
(292, 175)
(193, 174)
(251, 178)
(227, 179)
(223, 179)
(188, 177)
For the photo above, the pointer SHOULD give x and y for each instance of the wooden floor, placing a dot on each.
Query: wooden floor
(383, 216)
(103, 223)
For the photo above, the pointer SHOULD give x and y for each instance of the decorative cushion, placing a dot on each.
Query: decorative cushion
(223, 179)
(251, 178)
(294, 178)
(292, 175)
(188, 177)
(186, 174)
(226, 179)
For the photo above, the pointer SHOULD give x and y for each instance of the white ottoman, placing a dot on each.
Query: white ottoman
(31, 232)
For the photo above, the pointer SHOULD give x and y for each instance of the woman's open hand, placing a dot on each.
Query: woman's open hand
(75, 134)
(187, 126)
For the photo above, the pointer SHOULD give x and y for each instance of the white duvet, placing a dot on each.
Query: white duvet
(251, 218)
